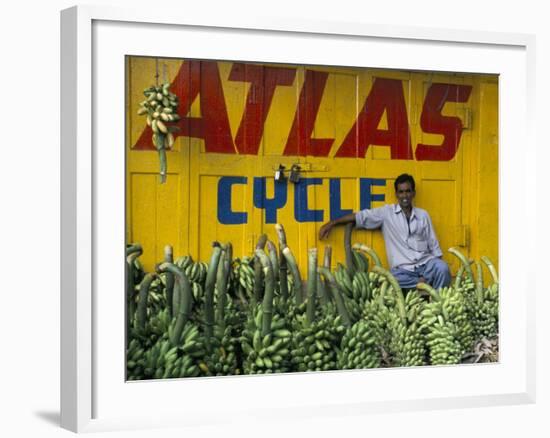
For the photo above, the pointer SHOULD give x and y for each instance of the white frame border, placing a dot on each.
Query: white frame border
(77, 197)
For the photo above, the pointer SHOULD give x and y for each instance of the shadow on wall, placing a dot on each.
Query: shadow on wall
(52, 417)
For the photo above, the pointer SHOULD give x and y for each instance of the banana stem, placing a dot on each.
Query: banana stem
(130, 285)
(267, 304)
(369, 251)
(281, 235)
(335, 289)
(491, 268)
(350, 262)
(479, 284)
(383, 290)
(221, 286)
(426, 287)
(397, 290)
(272, 252)
(258, 287)
(283, 277)
(463, 260)
(459, 275)
(327, 259)
(311, 285)
(136, 247)
(209, 290)
(141, 316)
(321, 290)
(169, 278)
(283, 269)
(184, 309)
(291, 261)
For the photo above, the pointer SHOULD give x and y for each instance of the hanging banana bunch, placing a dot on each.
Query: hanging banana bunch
(161, 107)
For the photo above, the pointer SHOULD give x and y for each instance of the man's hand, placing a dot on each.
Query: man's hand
(324, 231)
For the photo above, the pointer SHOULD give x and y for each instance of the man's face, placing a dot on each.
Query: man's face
(405, 195)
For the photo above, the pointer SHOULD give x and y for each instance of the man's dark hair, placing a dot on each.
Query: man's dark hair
(403, 178)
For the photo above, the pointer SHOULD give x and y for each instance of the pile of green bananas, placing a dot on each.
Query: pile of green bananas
(254, 314)
(160, 107)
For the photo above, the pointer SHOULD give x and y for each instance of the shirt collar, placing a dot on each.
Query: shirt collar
(397, 209)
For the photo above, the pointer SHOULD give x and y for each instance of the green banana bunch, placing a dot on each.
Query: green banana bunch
(196, 272)
(443, 341)
(183, 262)
(222, 359)
(134, 354)
(161, 107)
(407, 345)
(157, 296)
(165, 360)
(242, 278)
(157, 325)
(313, 346)
(485, 314)
(358, 348)
(378, 316)
(269, 353)
(344, 279)
(316, 333)
(361, 261)
(446, 325)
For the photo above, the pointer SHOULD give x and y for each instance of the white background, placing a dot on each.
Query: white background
(29, 181)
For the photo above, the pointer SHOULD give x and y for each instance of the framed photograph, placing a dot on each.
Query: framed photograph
(227, 164)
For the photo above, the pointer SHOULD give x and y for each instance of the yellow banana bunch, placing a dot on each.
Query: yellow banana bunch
(161, 107)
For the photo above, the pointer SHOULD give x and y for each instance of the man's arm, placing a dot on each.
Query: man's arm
(324, 231)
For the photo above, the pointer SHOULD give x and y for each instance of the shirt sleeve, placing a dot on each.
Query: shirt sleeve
(370, 218)
(433, 243)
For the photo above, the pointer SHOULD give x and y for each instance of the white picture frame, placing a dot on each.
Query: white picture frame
(93, 397)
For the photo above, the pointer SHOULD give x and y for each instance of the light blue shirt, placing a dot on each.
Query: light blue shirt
(408, 245)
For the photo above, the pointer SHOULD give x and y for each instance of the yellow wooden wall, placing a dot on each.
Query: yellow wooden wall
(461, 195)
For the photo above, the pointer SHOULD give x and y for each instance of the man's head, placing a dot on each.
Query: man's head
(404, 190)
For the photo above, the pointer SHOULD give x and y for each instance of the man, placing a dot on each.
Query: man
(413, 251)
